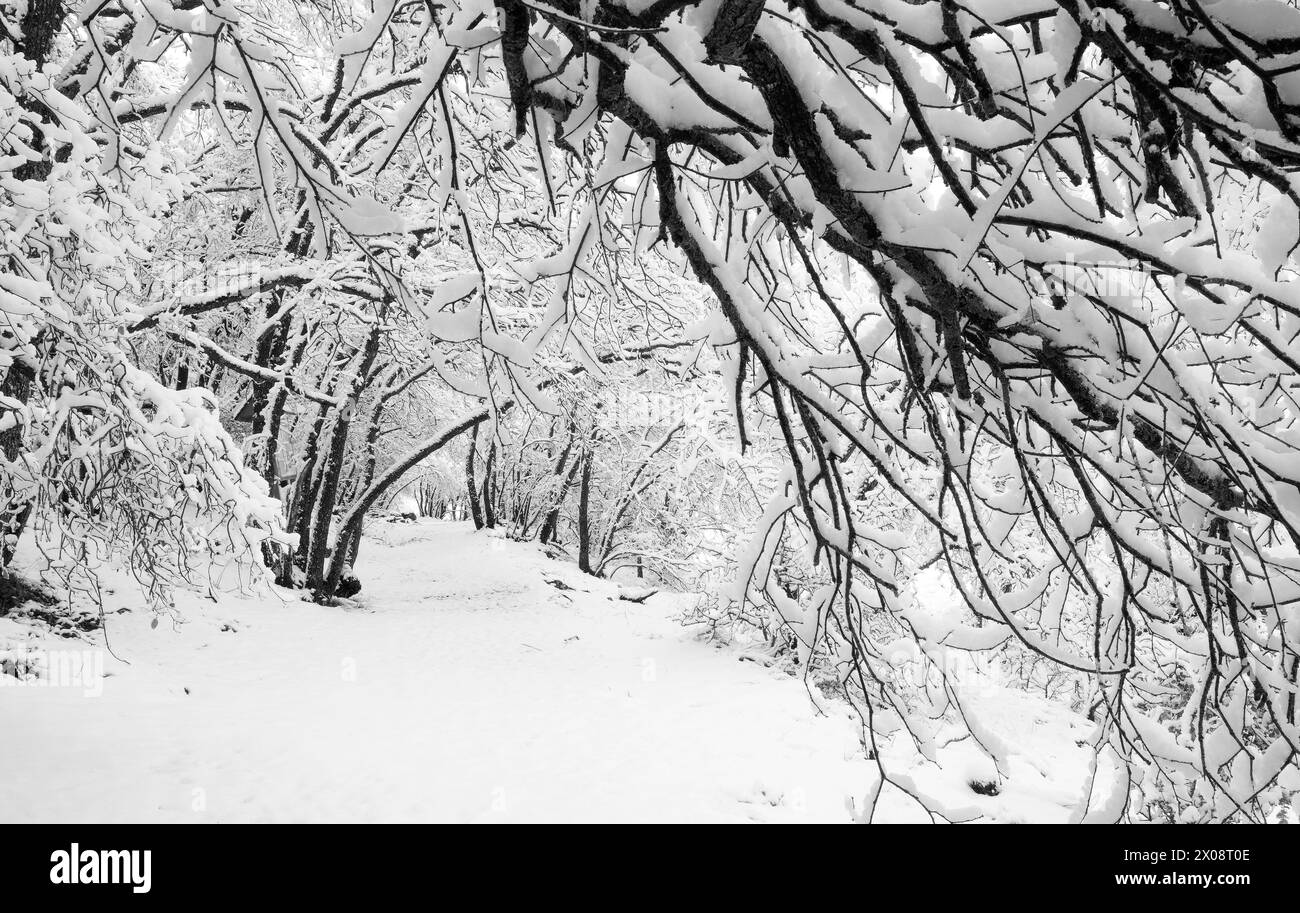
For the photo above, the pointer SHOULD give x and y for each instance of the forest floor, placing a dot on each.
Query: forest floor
(474, 679)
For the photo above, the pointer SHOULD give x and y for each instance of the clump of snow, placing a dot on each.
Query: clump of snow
(1025, 760)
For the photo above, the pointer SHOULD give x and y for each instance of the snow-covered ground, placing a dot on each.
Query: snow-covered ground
(465, 685)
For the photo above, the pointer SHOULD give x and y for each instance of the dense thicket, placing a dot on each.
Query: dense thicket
(1008, 284)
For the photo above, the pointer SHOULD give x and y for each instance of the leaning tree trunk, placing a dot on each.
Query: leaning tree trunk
(347, 545)
(298, 518)
(546, 513)
(489, 505)
(350, 527)
(471, 489)
(327, 494)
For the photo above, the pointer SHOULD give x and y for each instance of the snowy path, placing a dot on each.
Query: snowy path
(465, 689)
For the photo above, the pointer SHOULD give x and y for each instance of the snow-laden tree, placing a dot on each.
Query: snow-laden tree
(636, 477)
(99, 457)
(1009, 281)
(334, 261)
(1000, 255)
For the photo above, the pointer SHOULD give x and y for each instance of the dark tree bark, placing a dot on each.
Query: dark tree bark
(327, 494)
(471, 488)
(732, 30)
(584, 516)
(551, 525)
(351, 526)
(40, 24)
(551, 515)
(489, 501)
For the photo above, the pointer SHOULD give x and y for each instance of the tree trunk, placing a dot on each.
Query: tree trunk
(40, 24)
(584, 516)
(551, 524)
(321, 585)
(351, 526)
(476, 509)
(489, 508)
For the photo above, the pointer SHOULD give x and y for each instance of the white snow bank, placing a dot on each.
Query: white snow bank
(465, 685)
